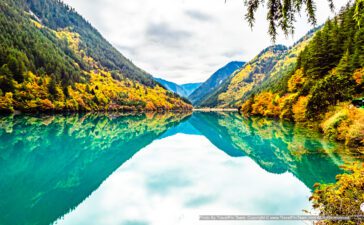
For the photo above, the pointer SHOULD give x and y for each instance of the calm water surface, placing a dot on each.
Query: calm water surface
(157, 169)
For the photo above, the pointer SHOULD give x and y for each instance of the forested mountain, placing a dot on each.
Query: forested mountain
(53, 59)
(231, 92)
(183, 90)
(190, 88)
(218, 78)
(328, 76)
(270, 68)
(172, 87)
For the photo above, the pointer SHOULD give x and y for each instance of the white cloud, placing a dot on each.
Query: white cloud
(185, 40)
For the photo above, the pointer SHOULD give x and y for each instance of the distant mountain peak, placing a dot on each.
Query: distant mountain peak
(183, 90)
(215, 81)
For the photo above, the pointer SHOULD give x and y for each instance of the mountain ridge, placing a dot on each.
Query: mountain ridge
(214, 81)
(183, 90)
(251, 73)
(52, 59)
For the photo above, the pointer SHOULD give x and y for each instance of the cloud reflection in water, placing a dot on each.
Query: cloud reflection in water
(178, 178)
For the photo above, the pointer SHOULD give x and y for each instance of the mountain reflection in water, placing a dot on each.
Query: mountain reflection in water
(50, 165)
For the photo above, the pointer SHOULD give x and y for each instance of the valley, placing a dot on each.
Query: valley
(89, 137)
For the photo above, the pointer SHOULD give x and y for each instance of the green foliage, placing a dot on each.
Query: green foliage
(24, 47)
(282, 13)
(51, 59)
(52, 87)
(69, 146)
(6, 79)
(328, 72)
(336, 87)
(330, 60)
(57, 15)
(240, 84)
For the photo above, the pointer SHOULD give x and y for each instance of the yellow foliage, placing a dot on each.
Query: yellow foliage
(296, 81)
(299, 109)
(46, 104)
(342, 198)
(266, 104)
(72, 38)
(270, 105)
(6, 102)
(285, 105)
(346, 123)
(100, 94)
(37, 24)
(237, 87)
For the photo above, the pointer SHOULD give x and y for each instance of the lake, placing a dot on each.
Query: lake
(158, 169)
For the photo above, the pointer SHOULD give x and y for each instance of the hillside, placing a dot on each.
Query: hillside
(216, 79)
(279, 75)
(183, 90)
(231, 92)
(190, 88)
(321, 88)
(172, 87)
(51, 59)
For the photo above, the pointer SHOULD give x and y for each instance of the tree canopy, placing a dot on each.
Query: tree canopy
(282, 13)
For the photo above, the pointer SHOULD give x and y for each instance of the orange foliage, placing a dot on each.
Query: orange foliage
(150, 106)
(266, 104)
(270, 105)
(246, 108)
(359, 76)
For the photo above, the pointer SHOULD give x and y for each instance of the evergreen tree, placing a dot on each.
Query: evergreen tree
(6, 79)
(52, 87)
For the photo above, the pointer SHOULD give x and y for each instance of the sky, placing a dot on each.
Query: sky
(186, 41)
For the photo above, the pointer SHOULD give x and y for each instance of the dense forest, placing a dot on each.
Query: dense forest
(319, 81)
(269, 69)
(51, 59)
(233, 89)
(327, 79)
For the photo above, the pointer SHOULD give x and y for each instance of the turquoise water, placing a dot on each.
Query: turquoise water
(157, 169)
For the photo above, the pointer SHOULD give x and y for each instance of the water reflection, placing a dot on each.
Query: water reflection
(275, 146)
(49, 165)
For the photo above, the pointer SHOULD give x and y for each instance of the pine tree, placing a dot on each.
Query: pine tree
(6, 79)
(52, 88)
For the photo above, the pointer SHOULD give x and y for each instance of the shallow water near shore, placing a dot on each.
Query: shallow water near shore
(158, 169)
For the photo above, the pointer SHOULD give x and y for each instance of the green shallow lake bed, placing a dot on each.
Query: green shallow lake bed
(158, 169)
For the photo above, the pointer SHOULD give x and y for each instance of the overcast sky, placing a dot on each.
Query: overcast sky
(185, 41)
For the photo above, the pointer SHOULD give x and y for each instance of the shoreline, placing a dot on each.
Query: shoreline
(215, 110)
